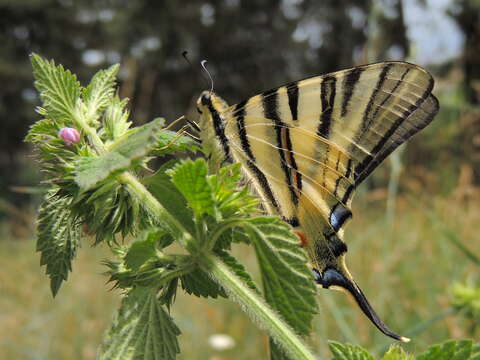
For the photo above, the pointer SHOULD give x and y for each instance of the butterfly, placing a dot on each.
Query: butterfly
(307, 145)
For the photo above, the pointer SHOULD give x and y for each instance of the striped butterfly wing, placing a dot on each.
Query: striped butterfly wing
(308, 144)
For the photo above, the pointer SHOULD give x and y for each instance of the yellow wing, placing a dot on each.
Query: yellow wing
(308, 144)
(311, 142)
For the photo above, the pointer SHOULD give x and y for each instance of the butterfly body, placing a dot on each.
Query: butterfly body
(307, 145)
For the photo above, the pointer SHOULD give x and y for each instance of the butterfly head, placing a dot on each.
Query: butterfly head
(209, 101)
(211, 123)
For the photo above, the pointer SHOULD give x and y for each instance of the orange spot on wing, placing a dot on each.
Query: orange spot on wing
(302, 237)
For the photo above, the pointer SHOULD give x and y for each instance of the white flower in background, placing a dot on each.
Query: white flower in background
(221, 342)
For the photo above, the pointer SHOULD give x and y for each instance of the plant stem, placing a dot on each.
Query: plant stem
(254, 305)
(137, 188)
(95, 140)
(149, 201)
(256, 308)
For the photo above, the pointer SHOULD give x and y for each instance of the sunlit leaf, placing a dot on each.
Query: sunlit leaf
(101, 90)
(190, 179)
(58, 238)
(287, 280)
(59, 89)
(452, 350)
(142, 330)
(348, 352)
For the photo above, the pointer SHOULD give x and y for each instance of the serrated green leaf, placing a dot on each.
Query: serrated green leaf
(190, 179)
(168, 195)
(139, 141)
(116, 122)
(169, 141)
(237, 268)
(142, 330)
(396, 352)
(142, 250)
(450, 350)
(90, 171)
(58, 238)
(348, 352)
(168, 293)
(287, 280)
(42, 128)
(229, 198)
(199, 283)
(100, 92)
(59, 89)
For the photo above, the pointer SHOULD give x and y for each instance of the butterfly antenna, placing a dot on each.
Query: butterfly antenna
(208, 80)
(203, 62)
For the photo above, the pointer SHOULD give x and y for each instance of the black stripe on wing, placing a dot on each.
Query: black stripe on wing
(219, 126)
(270, 109)
(423, 118)
(416, 121)
(349, 82)
(259, 175)
(327, 98)
(292, 93)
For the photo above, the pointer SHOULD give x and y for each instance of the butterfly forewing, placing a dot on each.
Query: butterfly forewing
(321, 136)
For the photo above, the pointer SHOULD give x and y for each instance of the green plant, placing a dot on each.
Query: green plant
(100, 184)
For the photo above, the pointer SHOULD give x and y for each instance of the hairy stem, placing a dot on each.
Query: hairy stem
(149, 201)
(251, 303)
(256, 308)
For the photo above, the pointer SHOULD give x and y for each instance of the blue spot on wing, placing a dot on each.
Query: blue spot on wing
(339, 215)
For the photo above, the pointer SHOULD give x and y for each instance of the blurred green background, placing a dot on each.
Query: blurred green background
(409, 218)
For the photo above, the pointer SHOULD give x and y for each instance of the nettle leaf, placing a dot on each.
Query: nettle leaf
(58, 238)
(59, 89)
(230, 199)
(199, 283)
(170, 141)
(348, 352)
(287, 280)
(190, 178)
(42, 130)
(161, 186)
(237, 268)
(115, 123)
(452, 350)
(90, 171)
(142, 330)
(396, 352)
(101, 90)
(142, 250)
(139, 141)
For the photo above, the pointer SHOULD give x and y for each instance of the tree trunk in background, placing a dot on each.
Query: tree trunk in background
(388, 33)
(468, 20)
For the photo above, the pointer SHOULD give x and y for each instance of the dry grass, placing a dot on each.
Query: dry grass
(406, 269)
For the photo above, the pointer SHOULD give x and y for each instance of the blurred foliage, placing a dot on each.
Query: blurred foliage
(269, 41)
(408, 269)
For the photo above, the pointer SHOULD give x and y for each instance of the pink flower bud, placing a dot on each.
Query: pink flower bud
(69, 135)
